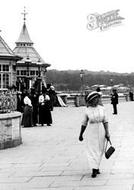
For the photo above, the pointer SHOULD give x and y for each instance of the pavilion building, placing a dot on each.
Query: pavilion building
(31, 69)
(8, 61)
(22, 67)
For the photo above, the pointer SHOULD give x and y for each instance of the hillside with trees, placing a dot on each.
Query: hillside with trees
(70, 79)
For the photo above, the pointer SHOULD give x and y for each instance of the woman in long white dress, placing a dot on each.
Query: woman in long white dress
(95, 129)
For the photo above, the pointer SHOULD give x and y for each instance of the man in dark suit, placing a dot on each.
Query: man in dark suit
(114, 100)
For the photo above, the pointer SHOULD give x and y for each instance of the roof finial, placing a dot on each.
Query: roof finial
(24, 13)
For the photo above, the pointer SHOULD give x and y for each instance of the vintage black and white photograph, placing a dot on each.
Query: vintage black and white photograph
(66, 95)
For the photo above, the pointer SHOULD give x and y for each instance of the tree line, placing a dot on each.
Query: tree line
(66, 80)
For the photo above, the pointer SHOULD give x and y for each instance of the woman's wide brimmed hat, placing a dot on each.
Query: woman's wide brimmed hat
(93, 95)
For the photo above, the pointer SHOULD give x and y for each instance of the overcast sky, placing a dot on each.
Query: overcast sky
(59, 31)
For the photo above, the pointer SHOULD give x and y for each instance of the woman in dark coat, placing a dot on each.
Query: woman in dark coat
(34, 101)
(19, 102)
(52, 94)
(45, 116)
(27, 115)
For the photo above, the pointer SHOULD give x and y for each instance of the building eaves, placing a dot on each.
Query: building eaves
(4, 48)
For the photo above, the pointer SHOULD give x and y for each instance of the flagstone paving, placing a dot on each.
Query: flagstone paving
(53, 158)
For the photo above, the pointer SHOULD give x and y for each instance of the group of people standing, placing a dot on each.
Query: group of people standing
(94, 126)
(36, 108)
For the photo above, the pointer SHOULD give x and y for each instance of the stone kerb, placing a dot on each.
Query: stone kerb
(10, 129)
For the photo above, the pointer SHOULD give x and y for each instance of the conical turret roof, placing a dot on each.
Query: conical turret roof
(24, 48)
(24, 36)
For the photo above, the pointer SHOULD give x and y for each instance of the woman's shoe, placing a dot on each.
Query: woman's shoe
(94, 173)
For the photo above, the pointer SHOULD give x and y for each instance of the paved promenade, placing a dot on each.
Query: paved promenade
(52, 158)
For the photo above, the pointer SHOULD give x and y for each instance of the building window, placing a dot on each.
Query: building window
(5, 67)
(0, 80)
(18, 72)
(23, 72)
(32, 72)
(37, 73)
(5, 80)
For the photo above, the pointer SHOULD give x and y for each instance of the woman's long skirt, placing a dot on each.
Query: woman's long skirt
(95, 142)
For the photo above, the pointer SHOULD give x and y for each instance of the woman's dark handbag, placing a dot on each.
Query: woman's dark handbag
(109, 151)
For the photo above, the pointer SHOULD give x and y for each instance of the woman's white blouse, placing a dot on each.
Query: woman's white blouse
(94, 115)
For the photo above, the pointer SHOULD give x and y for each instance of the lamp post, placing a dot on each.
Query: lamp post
(81, 78)
(111, 82)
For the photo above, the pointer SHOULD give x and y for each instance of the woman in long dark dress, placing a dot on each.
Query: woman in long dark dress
(52, 94)
(27, 115)
(45, 116)
(34, 101)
